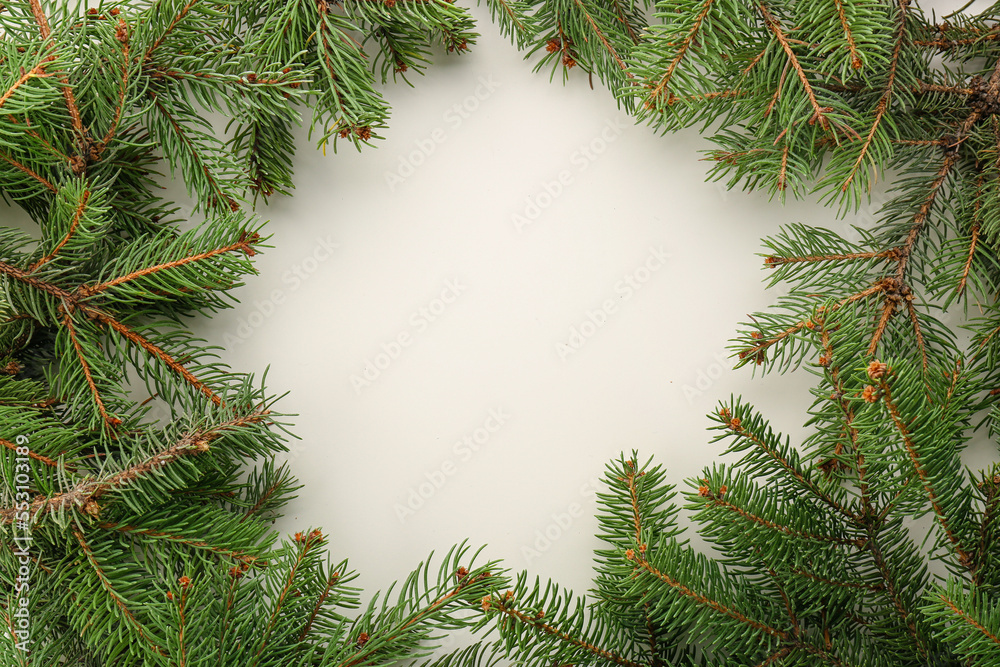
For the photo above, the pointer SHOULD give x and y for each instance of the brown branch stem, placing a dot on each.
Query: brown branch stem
(194, 442)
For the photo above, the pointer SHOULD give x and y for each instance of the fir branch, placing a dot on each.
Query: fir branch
(891, 590)
(773, 260)
(244, 244)
(990, 90)
(634, 499)
(109, 421)
(466, 580)
(969, 620)
(182, 626)
(123, 37)
(308, 542)
(225, 624)
(687, 592)
(74, 112)
(20, 167)
(682, 50)
(937, 88)
(86, 492)
(717, 501)
(69, 234)
(911, 449)
(756, 351)
(819, 113)
(178, 17)
(857, 585)
(603, 39)
(893, 502)
(848, 34)
(263, 500)
(735, 425)
(29, 129)
(633, 494)
(917, 224)
(991, 511)
(37, 71)
(219, 197)
(157, 353)
(535, 621)
(512, 15)
(320, 601)
(624, 19)
(180, 539)
(74, 300)
(833, 371)
(886, 98)
(106, 583)
(31, 454)
(35, 283)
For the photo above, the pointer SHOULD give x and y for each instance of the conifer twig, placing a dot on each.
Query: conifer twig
(991, 507)
(170, 28)
(112, 593)
(718, 501)
(220, 195)
(737, 427)
(498, 603)
(31, 454)
(244, 244)
(682, 50)
(320, 601)
(819, 113)
(633, 493)
(88, 491)
(308, 543)
(885, 100)
(69, 234)
(159, 353)
(110, 422)
(848, 34)
(904, 432)
(969, 620)
(604, 40)
(123, 37)
(180, 539)
(20, 167)
(703, 600)
(38, 71)
(891, 591)
(78, 161)
(75, 300)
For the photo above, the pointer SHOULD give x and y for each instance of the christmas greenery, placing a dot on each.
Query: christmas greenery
(868, 542)
(130, 533)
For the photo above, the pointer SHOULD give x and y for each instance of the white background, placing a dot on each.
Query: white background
(645, 380)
